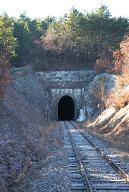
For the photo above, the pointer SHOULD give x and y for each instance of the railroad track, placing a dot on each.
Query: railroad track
(90, 169)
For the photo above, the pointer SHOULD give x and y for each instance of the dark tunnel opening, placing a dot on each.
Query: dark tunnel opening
(66, 109)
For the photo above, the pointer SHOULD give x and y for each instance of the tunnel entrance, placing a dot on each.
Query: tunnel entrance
(66, 108)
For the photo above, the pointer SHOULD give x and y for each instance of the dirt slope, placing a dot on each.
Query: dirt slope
(23, 130)
(113, 125)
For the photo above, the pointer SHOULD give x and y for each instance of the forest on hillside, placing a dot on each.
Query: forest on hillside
(75, 40)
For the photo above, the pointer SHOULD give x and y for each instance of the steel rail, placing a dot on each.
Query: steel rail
(81, 167)
(109, 160)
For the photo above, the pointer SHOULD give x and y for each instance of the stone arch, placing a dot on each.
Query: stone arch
(66, 108)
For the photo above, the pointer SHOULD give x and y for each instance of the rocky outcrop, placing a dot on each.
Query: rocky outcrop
(96, 92)
(112, 124)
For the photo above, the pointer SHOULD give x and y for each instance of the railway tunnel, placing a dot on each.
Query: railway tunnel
(66, 108)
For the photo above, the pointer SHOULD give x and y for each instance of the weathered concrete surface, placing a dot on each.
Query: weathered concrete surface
(63, 76)
(87, 89)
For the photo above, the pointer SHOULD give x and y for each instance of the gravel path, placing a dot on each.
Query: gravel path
(52, 174)
(110, 147)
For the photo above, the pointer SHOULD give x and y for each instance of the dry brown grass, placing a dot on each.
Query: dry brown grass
(104, 62)
(101, 65)
(36, 151)
(22, 174)
(118, 61)
(119, 98)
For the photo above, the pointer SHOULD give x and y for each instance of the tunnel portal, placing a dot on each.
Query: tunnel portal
(66, 108)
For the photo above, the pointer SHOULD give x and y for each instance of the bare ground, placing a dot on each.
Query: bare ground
(24, 132)
(50, 174)
(111, 127)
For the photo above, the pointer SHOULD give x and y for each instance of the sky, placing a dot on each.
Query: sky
(57, 8)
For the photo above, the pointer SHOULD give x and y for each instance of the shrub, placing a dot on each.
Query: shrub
(104, 63)
(119, 98)
(118, 61)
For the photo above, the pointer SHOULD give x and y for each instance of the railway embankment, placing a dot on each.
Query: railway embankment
(111, 124)
(24, 133)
